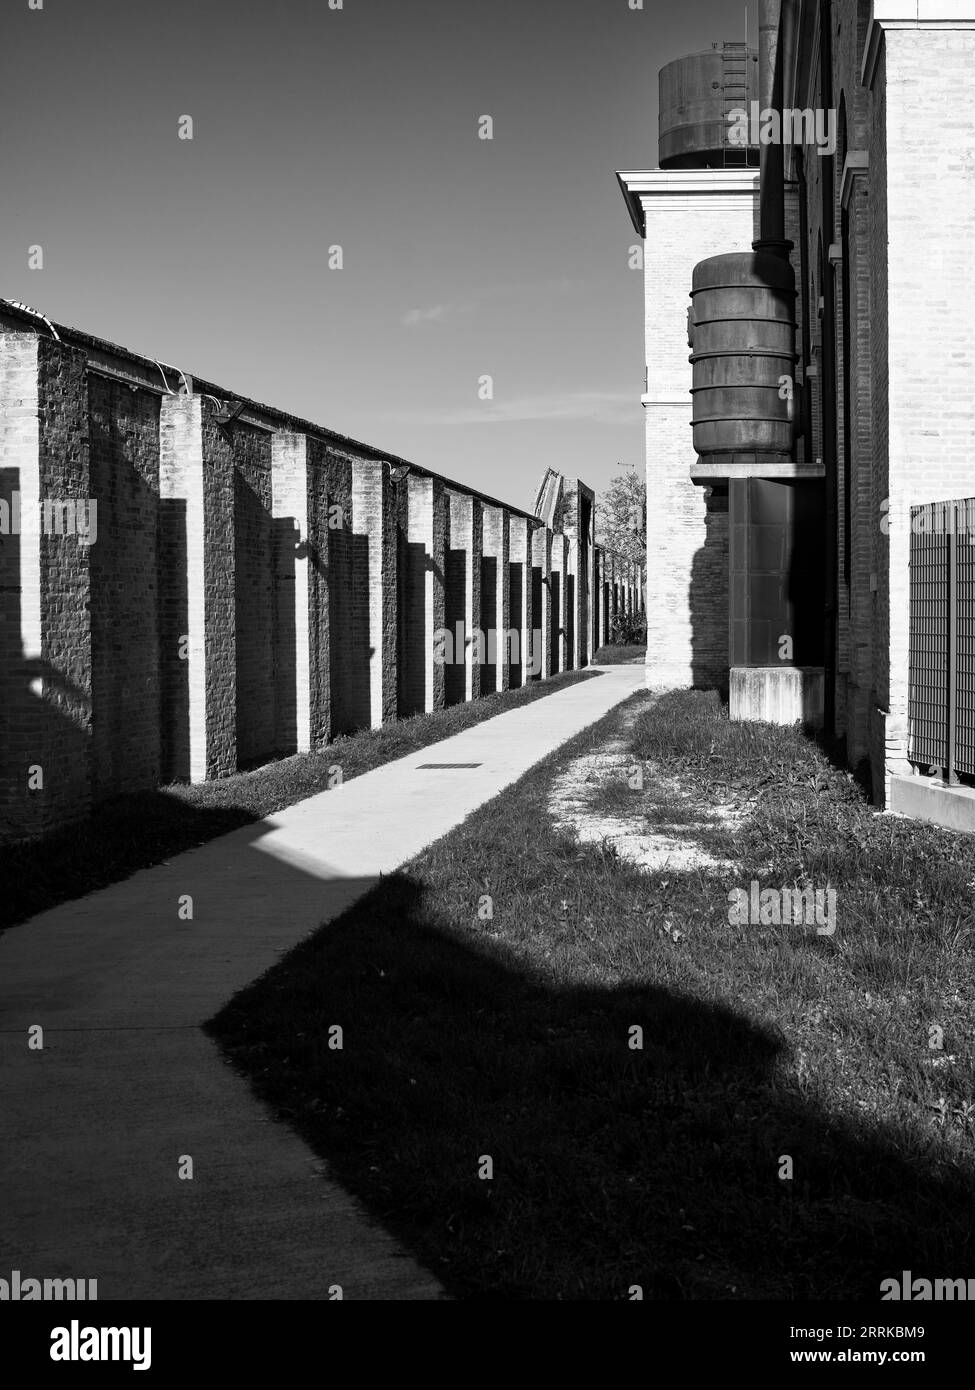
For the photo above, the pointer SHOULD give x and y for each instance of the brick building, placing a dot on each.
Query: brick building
(868, 216)
(192, 583)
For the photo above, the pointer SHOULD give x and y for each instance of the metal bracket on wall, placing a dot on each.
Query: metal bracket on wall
(226, 421)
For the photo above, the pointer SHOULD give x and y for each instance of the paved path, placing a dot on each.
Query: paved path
(92, 1127)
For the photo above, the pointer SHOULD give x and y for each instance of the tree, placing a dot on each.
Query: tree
(621, 516)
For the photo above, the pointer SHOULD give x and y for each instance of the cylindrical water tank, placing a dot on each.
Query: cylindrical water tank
(742, 329)
(696, 95)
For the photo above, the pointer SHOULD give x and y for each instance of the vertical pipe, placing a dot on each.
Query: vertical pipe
(807, 431)
(771, 206)
(828, 393)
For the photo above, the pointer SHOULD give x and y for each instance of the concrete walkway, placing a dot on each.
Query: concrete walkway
(93, 1127)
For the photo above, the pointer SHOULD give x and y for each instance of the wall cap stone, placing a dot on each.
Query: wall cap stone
(911, 14)
(637, 184)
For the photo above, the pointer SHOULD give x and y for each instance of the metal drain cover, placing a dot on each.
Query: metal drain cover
(421, 766)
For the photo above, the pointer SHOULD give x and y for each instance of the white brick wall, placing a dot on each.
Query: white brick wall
(930, 84)
(687, 220)
(181, 479)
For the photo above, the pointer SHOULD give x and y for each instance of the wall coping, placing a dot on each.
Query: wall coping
(637, 184)
(856, 162)
(910, 14)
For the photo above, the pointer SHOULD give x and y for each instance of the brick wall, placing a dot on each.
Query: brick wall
(930, 222)
(519, 596)
(220, 554)
(65, 583)
(20, 622)
(424, 520)
(462, 597)
(348, 569)
(687, 540)
(254, 581)
(495, 599)
(46, 682)
(909, 220)
(374, 519)
(126, 736)
(252, 587)
(319, 544)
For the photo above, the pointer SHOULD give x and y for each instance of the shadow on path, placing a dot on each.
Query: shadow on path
(612, 1167)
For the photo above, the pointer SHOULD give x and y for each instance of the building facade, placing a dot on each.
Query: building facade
(863, 211)
(192, 583)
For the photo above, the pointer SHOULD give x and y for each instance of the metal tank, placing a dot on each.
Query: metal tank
(696, 94)
(742, 329)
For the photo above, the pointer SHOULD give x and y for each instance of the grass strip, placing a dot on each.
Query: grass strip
(488, 995)
(135, 832)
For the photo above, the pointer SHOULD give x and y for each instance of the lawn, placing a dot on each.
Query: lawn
(798, 1121)
(622, 655)
(135, 832)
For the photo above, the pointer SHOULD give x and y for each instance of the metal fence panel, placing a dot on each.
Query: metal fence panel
(965, 640)
(942, 635)
(928, 700)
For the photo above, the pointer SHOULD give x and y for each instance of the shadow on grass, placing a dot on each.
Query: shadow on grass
(834, 749)
(612, 1167)
(133, 832)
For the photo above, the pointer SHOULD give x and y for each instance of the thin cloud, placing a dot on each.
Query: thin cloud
(595, 407)
(437, 313)
(434, 315)
(544, 288)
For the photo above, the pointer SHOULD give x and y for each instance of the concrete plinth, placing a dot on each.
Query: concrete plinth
(777, 694)
(926, 798)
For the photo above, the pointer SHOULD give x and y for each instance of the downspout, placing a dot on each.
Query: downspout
(776, 28)
(828, 393)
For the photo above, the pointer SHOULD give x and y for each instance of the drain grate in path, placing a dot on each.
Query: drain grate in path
(421, 766)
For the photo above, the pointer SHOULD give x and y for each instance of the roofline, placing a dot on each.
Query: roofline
(633, 205)
(88, 343)
(665, 182)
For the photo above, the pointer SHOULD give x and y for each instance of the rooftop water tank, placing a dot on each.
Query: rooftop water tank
(696, 94)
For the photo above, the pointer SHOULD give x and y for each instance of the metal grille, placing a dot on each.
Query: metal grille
(965, 639)
(928, 703)
(942, 636)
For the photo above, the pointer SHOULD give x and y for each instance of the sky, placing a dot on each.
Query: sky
(462, 258)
